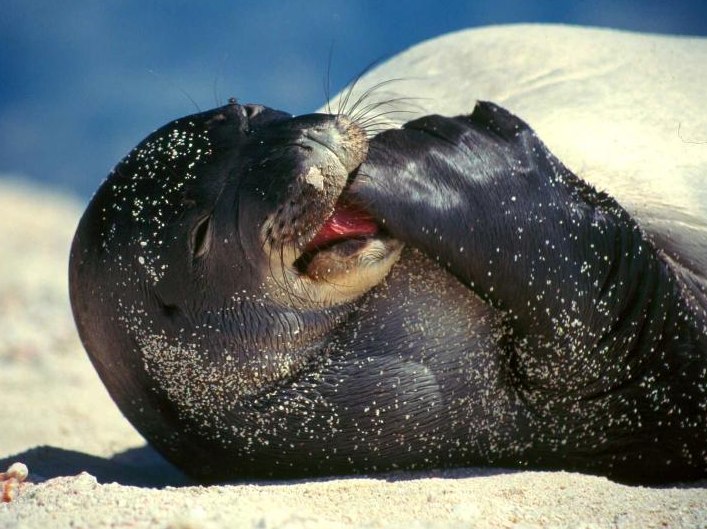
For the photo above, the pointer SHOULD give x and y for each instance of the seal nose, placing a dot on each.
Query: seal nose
(343, 137)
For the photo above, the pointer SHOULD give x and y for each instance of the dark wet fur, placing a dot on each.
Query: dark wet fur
(588, 352)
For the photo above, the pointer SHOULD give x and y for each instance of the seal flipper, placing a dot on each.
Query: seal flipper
(596, 318)
(563, 261)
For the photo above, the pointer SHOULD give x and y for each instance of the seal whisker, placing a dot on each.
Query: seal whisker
(352, 85)
(279, 275)
(370, 91)
(327, 79)
(220, 77)
(282, 278)
(366, 120)
(182, 90)
(369, 124)
(377, 104)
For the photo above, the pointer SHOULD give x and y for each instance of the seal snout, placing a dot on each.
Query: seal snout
(323, 248)
(329, 149)
(342, 137)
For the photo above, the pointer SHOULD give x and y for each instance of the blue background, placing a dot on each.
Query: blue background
(81, 82)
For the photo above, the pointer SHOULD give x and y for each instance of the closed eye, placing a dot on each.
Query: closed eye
(201, 237)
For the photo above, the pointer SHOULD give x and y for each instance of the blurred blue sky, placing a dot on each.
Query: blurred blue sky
(82, 81)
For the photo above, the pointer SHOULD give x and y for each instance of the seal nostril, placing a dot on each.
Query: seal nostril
(201, 237)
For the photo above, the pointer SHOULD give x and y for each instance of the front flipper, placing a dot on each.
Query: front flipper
(604, 343)
(590, 306)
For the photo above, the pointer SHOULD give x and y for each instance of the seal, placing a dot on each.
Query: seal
(234, 282)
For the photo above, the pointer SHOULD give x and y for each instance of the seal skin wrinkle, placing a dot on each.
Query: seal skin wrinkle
(241, 286)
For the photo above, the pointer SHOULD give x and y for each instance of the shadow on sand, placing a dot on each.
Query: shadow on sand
(140, 467)
(145, 467)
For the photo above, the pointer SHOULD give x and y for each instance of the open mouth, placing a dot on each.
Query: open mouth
(347, 230)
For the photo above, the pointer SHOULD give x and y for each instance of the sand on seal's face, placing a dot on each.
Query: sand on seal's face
(51, 395)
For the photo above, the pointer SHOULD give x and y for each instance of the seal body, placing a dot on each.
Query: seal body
(233, 282)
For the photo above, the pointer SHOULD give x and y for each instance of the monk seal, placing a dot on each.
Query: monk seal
(234, 282)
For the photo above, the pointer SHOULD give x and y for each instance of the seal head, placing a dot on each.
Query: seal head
(223, 239)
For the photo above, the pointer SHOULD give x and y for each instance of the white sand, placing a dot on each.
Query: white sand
(53, 399)
(521, 500)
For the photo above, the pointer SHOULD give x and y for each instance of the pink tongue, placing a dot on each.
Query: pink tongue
(347, 222)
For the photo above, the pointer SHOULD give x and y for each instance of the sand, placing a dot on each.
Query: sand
(89, 468)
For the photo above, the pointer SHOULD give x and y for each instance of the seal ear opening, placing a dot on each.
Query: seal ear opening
(201, 237)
